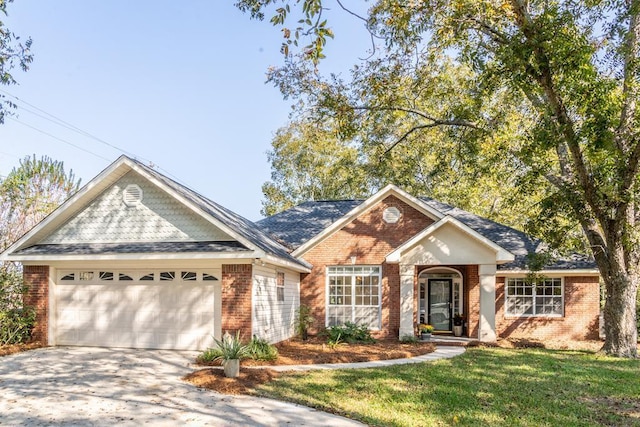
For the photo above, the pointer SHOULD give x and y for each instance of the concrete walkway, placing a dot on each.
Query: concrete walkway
(441, 352)
(103, 386)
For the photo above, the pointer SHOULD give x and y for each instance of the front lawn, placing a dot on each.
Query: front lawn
(485, 386)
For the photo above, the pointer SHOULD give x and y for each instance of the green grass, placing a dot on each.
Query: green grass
(485, 386)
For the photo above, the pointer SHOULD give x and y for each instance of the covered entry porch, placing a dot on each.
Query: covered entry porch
(445, 270)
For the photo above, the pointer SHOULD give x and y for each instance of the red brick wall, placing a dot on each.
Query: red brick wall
(370, 240)
(236, 299)
(581, 314)
(36, 277)
(472, 286)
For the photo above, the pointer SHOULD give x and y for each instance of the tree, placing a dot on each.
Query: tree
(309, 162)
(29, 193)
(13, 54)
(571, 72)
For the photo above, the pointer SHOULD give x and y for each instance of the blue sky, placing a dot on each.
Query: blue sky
(181, 84)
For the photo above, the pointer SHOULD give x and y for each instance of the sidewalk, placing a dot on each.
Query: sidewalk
(441, 352)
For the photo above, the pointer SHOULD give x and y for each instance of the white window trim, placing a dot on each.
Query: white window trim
(515, 316)
(353, 285)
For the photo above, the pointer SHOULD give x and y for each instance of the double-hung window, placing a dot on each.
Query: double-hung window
(538, 297)
(354, 295)
(280, 287)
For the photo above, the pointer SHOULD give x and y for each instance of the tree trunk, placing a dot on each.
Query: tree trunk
(620, 314)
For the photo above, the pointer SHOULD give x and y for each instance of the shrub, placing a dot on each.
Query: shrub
(231, 348)
(16, 319)
(350, 333)
(303, 321)
(228, 348)
(260, 349)
(409, 339)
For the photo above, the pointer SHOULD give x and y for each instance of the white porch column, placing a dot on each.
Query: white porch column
(406, 300)
(487, 327)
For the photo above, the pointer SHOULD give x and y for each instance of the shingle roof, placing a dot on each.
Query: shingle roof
(131, 248)
(240, 225)
(301, 223)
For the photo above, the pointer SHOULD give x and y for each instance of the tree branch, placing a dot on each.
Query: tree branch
(544, 77)
(436, 121)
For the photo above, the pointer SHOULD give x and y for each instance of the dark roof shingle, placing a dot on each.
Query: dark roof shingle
(301, 223)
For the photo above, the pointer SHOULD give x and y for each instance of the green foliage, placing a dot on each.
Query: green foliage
(260, 349)
(540, 95)
(230, 347)
(30, 192)
(350, 333)
(410, 339)
(303, 321)
(484, 386)
(16, 319)
(13, 53)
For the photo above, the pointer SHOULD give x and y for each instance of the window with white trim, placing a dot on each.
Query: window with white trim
(354, 295)
(280, 287)
(540, 297)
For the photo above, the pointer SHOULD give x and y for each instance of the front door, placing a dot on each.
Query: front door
(439, 305)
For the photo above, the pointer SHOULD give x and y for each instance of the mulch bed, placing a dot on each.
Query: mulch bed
(7, 349)
(297, 352)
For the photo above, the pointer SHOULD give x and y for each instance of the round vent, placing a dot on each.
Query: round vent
(391, 215)
(132, 195)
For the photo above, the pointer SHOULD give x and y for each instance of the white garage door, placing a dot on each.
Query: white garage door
(168, 309)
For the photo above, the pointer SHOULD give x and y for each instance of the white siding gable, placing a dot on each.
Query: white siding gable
(158, 218)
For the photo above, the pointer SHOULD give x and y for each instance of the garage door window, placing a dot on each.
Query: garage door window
(86, 276)
(101, 276)
(189, 275)
(106, 275)
(167, 275)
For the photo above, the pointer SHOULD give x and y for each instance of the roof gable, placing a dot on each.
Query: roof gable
(449, 241)
(363, 207)
(223, 223)
(156, 218)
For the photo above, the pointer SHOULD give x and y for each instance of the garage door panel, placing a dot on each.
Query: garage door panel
(166, 314)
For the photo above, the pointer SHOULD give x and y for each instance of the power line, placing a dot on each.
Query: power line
(56, 138)
(62, 123)
(67, 125)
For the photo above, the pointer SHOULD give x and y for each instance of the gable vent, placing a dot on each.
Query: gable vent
(132, 195)
(391, 215)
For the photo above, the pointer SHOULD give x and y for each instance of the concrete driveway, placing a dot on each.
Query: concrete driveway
(103, 386)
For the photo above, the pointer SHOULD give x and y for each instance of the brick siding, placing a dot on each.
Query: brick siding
(370, 240)
(236, 299)
(36, 277)
(580, 320)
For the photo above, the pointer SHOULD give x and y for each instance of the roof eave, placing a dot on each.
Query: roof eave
(135, 256)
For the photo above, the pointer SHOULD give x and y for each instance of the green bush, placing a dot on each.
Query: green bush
(350, 333)
(16, 319)
(228, 348)
(409, 339)
(260, 349)
(257, 349)
(304, 320)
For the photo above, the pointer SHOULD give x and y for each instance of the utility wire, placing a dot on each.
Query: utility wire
(56, 138)
(69, 126)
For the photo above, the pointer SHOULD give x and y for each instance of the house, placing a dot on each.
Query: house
(135, 259)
